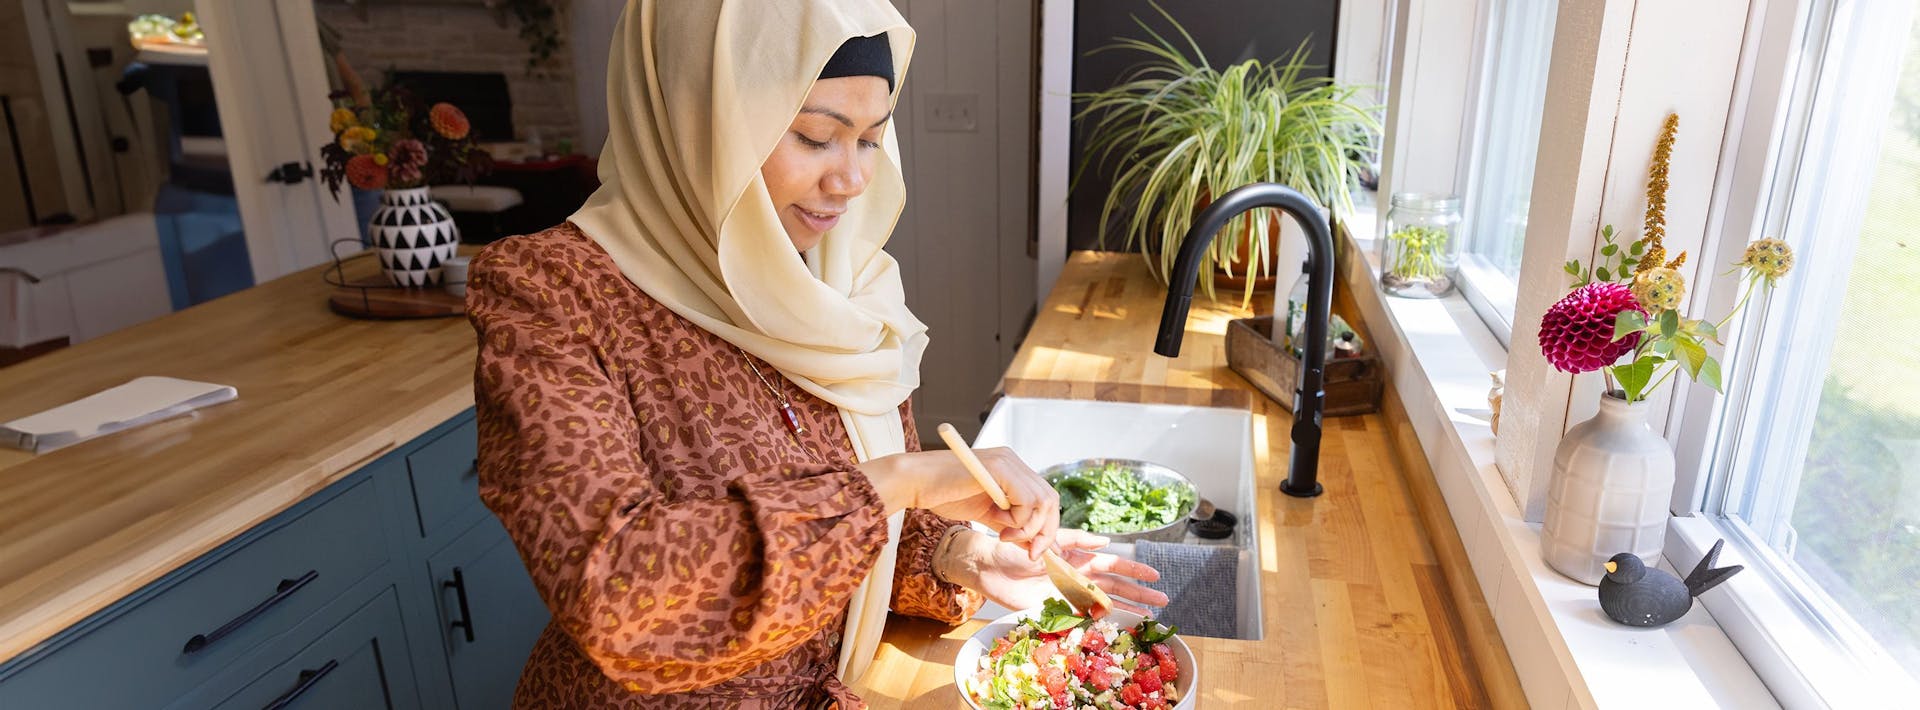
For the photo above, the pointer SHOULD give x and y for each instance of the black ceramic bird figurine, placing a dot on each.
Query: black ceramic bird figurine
(1635, 595)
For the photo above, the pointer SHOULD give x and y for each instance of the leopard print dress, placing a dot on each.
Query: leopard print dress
(693, 551)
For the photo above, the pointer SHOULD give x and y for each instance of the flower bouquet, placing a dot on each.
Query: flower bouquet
(1627, 303)
(387, 139)
(1612, 475)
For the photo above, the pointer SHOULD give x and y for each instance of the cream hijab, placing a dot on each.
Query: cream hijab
(698, 95)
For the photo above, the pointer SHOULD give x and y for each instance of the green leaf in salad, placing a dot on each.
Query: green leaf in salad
(1020, 653)
(1055, 616)
(1152, 632)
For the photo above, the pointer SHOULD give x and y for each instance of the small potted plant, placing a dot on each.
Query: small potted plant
(386, 139)
(1177, 132)
(1612, 476)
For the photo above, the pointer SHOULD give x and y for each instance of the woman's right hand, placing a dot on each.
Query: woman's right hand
(937, 481)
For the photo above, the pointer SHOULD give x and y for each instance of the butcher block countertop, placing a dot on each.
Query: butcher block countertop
(320, 395)
(1357, 611)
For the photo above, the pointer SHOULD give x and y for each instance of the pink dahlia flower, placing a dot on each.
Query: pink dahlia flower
(1576, 334)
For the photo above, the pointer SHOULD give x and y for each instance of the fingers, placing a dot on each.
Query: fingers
(1033, 503)
(1120, 587)
(996, 519)
(1119, 603)
(1122, 567)
(1071, 539)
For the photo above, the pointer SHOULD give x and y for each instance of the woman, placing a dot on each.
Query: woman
(693, 397)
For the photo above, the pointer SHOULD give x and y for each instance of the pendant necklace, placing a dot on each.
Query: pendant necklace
(787, 413)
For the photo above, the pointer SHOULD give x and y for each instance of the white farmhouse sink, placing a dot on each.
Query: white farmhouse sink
(1211, 446)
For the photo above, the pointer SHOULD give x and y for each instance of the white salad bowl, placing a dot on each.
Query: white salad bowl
(967, 662)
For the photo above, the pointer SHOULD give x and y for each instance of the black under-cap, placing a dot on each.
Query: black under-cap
(862, 56)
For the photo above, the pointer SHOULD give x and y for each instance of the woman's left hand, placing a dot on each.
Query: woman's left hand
(1005, 573)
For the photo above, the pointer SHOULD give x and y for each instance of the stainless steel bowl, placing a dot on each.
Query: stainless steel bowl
(1154, 474)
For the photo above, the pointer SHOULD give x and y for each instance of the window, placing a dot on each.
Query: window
(1814, 470)
(1513, 86)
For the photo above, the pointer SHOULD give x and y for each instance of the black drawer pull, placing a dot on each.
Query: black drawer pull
(473, 470)
(307, 680)
(459, 585)
(280, 593)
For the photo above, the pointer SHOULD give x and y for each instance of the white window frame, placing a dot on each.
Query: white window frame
(1491, 292)
(1806, 648)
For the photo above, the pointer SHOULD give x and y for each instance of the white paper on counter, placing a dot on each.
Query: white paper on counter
(142, 401)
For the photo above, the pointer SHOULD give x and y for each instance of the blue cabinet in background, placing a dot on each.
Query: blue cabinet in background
(392, 588)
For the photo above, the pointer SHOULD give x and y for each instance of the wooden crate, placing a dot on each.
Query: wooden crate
(1353, 385)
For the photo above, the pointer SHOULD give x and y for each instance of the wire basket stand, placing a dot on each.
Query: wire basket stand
(375, 298)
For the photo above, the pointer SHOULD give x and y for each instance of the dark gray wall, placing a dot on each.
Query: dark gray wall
(1228, 31)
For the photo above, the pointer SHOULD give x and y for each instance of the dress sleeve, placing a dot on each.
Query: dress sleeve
(664, 595)
(917, 591)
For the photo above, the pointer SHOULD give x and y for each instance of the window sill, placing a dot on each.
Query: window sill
(1566, 653)
(1784, 641)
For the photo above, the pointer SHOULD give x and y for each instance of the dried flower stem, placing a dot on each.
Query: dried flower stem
(1656, 224)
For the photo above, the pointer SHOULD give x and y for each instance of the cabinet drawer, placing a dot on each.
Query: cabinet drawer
(358, 664)
(445, 476)
(220, 608)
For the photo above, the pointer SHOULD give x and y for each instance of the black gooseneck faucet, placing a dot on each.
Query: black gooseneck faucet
(1308, 397)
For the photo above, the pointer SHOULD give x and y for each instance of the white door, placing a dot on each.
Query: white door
(270, 80)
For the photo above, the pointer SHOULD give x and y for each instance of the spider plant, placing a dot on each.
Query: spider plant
(1176, 132)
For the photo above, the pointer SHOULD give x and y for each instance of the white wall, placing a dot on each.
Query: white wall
(962, 243)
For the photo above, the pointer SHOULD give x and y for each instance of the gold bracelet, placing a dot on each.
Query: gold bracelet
(941, 550)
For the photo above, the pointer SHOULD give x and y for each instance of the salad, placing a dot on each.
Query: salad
(1066, 662)
(1113, 499)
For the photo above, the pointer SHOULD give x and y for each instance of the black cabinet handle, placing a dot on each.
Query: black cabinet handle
(307, 680)
(459, 585)
(474, 470)
(285, 589)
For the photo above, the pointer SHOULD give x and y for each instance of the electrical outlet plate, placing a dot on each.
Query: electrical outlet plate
(952, 112)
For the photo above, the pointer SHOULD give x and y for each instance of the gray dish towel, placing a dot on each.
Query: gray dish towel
(1201, 584)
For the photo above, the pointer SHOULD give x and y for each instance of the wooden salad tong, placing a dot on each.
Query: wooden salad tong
(1079, 591)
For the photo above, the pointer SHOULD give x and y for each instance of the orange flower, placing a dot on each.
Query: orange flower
(365, 173)
(448, 121)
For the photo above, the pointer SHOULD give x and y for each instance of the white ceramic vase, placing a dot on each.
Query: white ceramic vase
(413, 236)
(1612, 484)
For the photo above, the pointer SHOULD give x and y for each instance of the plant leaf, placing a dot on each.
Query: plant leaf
(1604, 274)
(1692, 354)
(1610, 249)
(1634, 376)
(1669, 323)
(1709, 374)
(1628, 323)
(1705, 330)
(1572, 268)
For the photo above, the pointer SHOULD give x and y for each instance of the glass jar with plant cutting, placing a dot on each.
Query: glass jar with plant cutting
(1418, 259)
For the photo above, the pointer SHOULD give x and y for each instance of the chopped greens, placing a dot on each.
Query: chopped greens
(1113, 499)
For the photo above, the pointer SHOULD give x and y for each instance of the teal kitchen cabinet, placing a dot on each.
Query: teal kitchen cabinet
(351, 598)
(490, 615)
